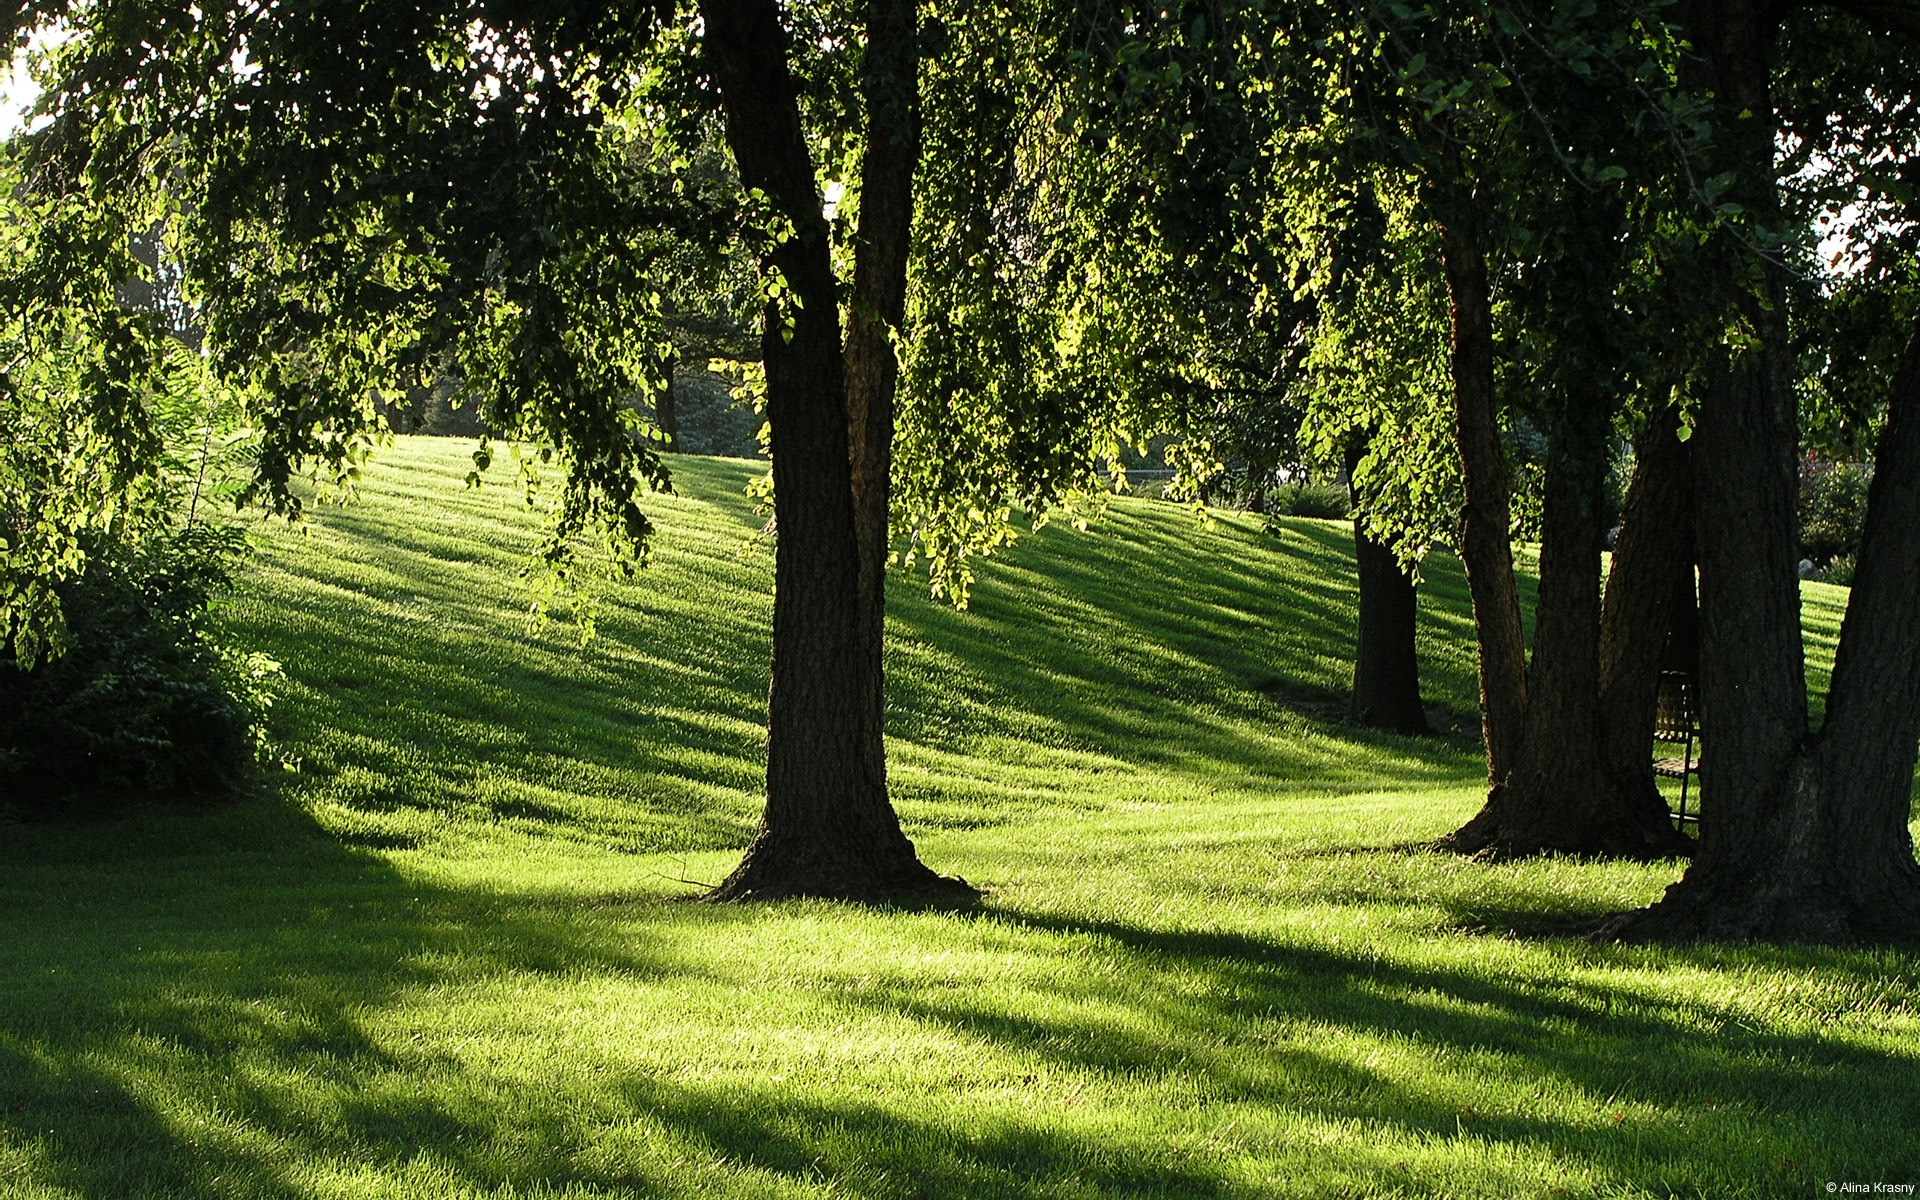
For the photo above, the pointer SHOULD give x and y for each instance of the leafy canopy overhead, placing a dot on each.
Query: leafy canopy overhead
(360, 199)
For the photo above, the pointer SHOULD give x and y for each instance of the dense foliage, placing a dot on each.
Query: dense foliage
(1833, 510)
(146, 702)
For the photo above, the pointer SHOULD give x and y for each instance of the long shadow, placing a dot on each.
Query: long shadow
(1076, 645)
(203, 1006)
(185, 1005)
(192, 1018)
(1215, 1005)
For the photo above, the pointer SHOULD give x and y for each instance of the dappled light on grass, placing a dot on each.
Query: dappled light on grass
(454, 957)
(312, 1020)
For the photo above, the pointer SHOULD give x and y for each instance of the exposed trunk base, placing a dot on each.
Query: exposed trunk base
(1757, 905)
(1807, 875)
(1558, 797)
(1611, 823)
(777, 868)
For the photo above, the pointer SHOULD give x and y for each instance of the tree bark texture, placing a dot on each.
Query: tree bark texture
(1652, 572)
(889, 86)
(1824, 853)
(1753, 709)
(1559, 797)
(1804, 838)
(1386, 661)
(828, 829)
(1871, 738)
(1486, 546)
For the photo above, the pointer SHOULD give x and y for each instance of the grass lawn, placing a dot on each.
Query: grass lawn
(453, 956)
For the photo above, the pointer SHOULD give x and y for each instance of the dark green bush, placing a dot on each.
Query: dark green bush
(1838, 572)
(1326, 501)
(141, 703)
(1833, 510)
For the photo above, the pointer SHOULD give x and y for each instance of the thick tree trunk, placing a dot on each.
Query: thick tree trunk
(1822, 851)
(1386, 662)
(1806, 838)
(1486, 544)
(1871, 738)
(1559, 798)
(828, 829)
(1652, 571)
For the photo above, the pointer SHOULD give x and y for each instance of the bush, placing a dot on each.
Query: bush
(1325, 501)
(141, 703)
(1839, 572)
(1832, 509)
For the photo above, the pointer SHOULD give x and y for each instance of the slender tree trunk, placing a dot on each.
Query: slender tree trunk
(828, 828)
(1386, 661)
(1259, 476)
(1486, 545)
(666, 412)
(1652, 571)
(889, 88)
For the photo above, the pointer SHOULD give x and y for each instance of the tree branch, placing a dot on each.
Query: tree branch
(1885, 16)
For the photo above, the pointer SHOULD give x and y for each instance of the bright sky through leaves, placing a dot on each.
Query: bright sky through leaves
(17, 94)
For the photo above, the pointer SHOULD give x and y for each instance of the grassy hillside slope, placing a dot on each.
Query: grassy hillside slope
(451, 957)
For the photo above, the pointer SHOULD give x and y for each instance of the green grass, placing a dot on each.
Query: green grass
(451, 959)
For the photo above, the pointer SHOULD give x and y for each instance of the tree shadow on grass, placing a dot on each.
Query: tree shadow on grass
(185, 1018)
(1218, 1005)
(200, 1008)
(1081, 644)
(187, 1015)
(1079, 656)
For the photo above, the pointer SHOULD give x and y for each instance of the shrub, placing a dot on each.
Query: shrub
(1832, 509)
(141, 702)
(1839, 572)
(1322, 500)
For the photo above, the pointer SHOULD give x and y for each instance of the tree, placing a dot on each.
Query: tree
(354, 205)
(829, 829)
(1481, 155)
(1386, 666)
(1132, 286)
(1804, 834)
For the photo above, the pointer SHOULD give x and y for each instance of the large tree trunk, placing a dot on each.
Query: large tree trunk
(1822, 851)
(1865, 870)
(1486, 542)
(1386, 662)
(1652, 573)
(1559, 798)
(1805, 838)
(1550, 788)
(828, 829)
